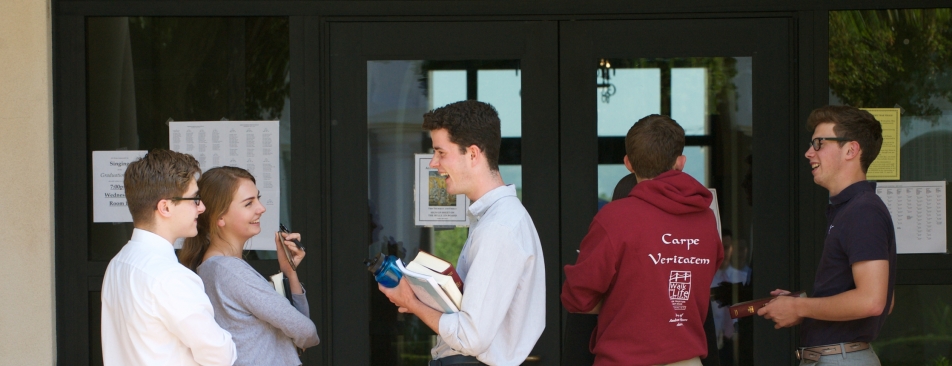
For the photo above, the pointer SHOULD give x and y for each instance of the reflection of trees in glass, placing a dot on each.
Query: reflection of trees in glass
(940, 361)
(206, 69)
(884, 58)
(939, 330)
(449, 243)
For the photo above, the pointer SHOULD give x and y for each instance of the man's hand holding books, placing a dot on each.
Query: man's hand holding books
(400, 296)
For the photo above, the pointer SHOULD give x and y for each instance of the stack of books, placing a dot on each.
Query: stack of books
(434, 281)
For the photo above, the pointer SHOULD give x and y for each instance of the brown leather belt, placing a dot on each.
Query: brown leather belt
(814, 353)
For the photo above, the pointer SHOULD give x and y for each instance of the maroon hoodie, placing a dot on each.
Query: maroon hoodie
(649, 258)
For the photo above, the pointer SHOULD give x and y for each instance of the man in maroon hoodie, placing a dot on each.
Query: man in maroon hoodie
(647, 262)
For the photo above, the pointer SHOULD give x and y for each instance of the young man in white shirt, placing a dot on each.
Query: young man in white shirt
(502, 313)
(154, 310)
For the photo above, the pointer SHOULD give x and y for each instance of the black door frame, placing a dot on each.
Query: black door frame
(351, 45)
(76, 276)
(79, 278)
(769, 42)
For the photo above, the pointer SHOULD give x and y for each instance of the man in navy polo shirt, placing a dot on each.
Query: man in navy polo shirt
(853, 291)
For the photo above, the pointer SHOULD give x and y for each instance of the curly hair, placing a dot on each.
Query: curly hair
(469, 123)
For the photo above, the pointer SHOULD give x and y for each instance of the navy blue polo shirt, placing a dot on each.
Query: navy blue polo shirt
(860, 229)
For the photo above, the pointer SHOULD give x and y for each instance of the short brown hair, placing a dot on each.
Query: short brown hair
(653, 145)
(469, 123)
(217, 188)
(854, 124)
(158, 175)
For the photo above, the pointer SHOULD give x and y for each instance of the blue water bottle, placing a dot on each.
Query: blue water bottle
(385, 270)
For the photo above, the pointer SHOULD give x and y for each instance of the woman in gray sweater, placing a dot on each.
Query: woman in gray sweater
(266, 328)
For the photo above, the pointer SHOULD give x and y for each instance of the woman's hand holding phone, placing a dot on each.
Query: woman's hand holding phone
(285, 243)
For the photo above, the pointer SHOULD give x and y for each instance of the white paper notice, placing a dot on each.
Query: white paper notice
(252, 145)
(434, 206)
(109, 194)
(918, 213)
(717, 212)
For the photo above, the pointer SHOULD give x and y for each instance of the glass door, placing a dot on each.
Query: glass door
(723, 81)
(383, 78)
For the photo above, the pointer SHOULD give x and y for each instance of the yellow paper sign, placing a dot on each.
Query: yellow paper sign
(886, 165)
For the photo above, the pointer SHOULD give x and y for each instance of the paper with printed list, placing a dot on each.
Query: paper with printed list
(109, 192)
(251, 145)
(918, 211)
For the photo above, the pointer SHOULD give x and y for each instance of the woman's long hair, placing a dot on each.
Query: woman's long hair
(217, 188)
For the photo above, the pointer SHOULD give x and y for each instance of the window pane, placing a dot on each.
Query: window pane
(919, 331)
(697, 163)
(145, 71)
(446, 86)
(399, 92)
(503, 89)
(899, 59)
(630, 95)
(711, 98)
(902, 58)
(689, 99)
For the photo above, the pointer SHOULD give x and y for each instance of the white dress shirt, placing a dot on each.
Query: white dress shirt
(503, 308)
(155, 311)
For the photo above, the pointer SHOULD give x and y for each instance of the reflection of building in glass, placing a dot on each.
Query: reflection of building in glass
(438, 194)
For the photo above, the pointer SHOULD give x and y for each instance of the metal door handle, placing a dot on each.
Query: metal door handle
(532, 358)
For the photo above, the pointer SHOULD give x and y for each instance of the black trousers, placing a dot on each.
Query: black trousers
(456, 360)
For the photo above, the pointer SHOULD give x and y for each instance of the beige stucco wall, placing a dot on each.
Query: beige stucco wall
(27, 325)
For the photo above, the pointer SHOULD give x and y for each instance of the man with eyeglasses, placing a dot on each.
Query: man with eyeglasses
(154, 310)
(853, 290)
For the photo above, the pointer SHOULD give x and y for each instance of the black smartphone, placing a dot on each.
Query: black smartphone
(284, 229)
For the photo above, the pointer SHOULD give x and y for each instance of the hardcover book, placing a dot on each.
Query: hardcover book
(429, 291)
(748, 308)
(438, 265)
(281, 285)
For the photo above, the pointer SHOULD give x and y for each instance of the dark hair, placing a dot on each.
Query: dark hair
(217, 189)
(854, 124)
(624, 186)
(653, 145)
(158, 175)
(469, 123)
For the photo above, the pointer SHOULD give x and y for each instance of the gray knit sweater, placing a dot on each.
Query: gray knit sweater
(264, 325)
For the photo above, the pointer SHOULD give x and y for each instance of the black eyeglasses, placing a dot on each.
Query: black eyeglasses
(817, 142)
(197, 200)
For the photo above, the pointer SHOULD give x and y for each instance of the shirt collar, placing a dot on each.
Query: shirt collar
(852, 191)
(481, 205)
(152, 239)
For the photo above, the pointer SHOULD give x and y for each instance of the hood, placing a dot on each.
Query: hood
(674, 192)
